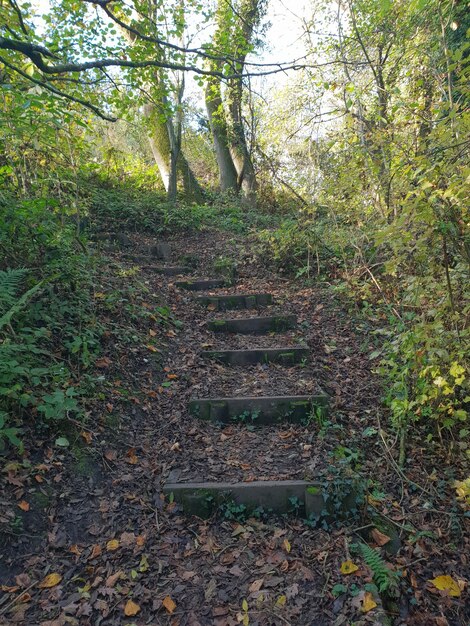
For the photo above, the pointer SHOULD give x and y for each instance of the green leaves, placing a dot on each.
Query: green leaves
(58, 404)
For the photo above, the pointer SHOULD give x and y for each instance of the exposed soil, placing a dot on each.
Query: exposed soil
(185, 571)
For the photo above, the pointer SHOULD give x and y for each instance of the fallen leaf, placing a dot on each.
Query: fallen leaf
(24, 597)
(152, 348)
(140, 540)
(281, 601)
(23, 580)
(348, 567)
(111, 580)
(127, 539)
(368, 602)
(152, 333)
(132, 457)
(112, 545)
(110, 455)
(172, 376)
(380, 538)
(103, 362)
(7, 589)
(168, 604)
(96, 551)
(256, 585)
(287, 546)
(131, 608)
(74, 549)
(236, 571)
(24, 506)
(87, 436)
(447, 583)
(51, 580)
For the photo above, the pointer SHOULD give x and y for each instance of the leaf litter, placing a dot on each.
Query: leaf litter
(106, 544)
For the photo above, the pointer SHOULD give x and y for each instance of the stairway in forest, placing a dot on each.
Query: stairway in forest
(202, 498)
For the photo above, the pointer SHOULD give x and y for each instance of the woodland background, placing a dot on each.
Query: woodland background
(160, 116)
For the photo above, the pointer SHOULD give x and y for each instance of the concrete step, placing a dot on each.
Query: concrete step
(260, 410)
(235, 301)
(283, 356)
(254, 325)
(299, 497)
(201, 285)
(168, 270)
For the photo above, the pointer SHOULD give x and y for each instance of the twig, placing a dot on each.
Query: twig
(16, 598)
(395, 464)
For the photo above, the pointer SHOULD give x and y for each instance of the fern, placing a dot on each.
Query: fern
(10, 284)
(385, 579)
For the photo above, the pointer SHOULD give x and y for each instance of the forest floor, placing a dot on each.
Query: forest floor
(96, 542)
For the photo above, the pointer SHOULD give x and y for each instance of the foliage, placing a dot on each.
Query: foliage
(388, 191)
(385, 578)
(57, 331)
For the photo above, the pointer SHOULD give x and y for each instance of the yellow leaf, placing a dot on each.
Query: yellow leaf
(28, 68)
(112, 545)
(99, 295)
(131, 608)
(446, 583)
(246, 620)
(368, 602)
(348, 567)
(169, 605)
(281, 601)
(287, 546)
(50, 581)
(463, 490)
(245, 605)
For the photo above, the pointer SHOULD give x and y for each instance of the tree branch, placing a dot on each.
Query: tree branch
(58, 92)
(35, 53)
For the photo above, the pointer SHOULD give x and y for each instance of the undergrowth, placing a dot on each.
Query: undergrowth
(58, 305)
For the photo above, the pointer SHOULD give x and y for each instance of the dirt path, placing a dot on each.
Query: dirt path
(128, 556)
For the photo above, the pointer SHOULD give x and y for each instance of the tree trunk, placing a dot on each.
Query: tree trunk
(228, 177)
(238, 146)
(159, 141)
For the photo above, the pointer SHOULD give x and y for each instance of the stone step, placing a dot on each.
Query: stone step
(299, 497)
(160, 251)
(235, 301)
(168, 270)
(201, 285)
(254, 325)
(262, 410)
(138, 258)
(283, 356)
